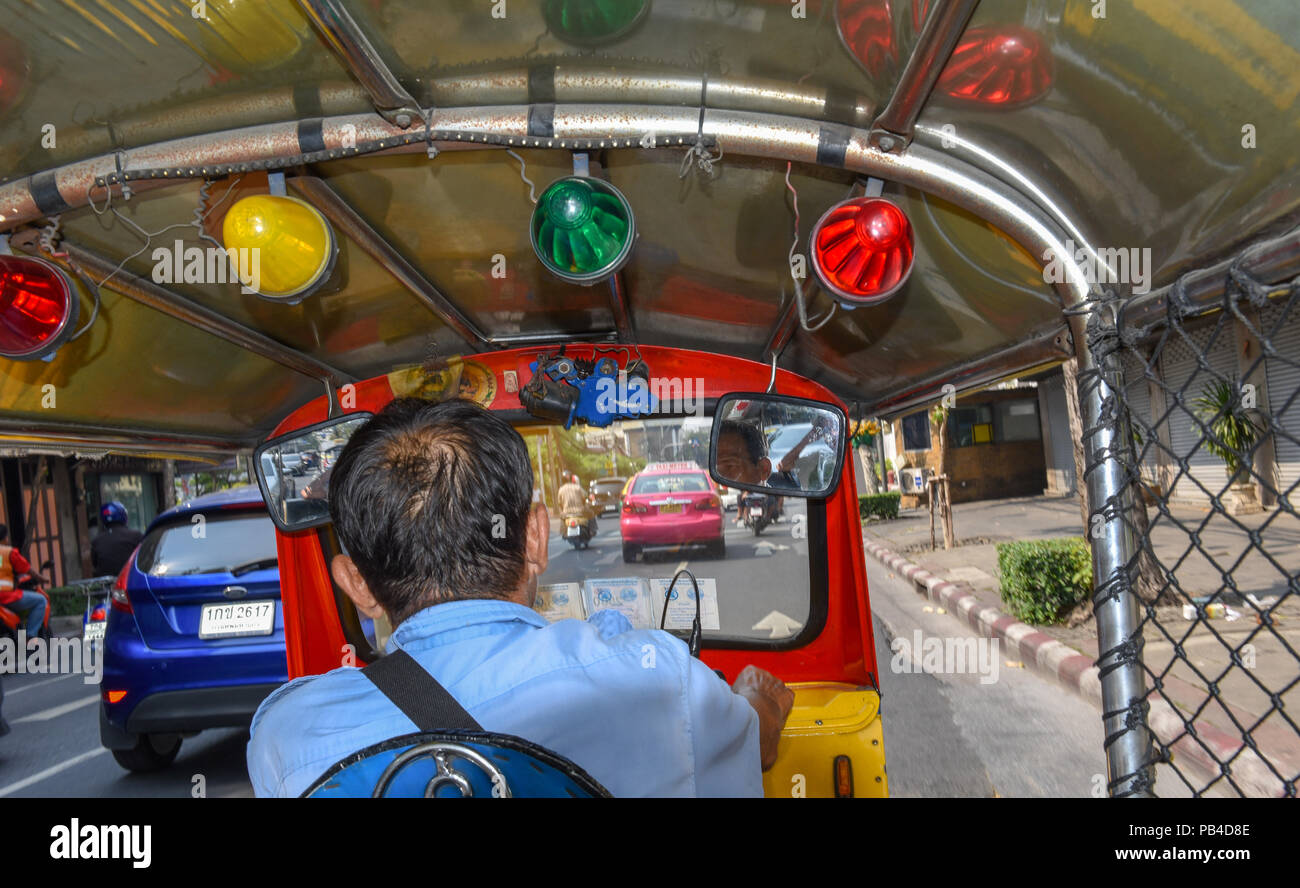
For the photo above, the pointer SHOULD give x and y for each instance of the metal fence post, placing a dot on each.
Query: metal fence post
(1115, 549)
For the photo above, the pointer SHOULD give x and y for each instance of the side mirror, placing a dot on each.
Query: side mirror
(777, 444)
(294, 483)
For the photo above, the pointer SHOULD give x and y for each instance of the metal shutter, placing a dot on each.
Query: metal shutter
(1137, 397)
(1181, 374)
(1283, 382)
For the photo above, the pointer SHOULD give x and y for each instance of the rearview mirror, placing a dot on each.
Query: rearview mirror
(294, 471)
(777, 444)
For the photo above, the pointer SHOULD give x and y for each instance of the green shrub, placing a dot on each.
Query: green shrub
(1042, 580)
(882, 505)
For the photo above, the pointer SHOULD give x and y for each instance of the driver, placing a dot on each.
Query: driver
(415, 497)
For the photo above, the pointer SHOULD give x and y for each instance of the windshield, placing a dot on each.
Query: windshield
(227, 544)
(754, 588)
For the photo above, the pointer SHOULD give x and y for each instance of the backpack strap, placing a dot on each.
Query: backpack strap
(418, 694)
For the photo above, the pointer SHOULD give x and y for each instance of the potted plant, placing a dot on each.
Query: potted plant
(1232, 436)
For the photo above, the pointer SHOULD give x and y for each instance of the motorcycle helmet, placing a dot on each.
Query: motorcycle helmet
(112, 513)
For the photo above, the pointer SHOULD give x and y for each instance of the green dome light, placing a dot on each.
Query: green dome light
(582, 229)
(593, 22)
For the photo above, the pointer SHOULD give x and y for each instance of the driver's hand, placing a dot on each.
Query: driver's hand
(772, 700)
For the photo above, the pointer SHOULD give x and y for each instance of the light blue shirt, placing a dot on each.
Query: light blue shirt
(630, 707)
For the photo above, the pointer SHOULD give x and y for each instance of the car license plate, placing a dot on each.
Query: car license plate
(573, 531)
(756, 512)
(95, 631)
(670, 508)
(234, 620)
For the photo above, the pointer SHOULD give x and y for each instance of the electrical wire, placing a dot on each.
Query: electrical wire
(798, 287)
(200, 216)
(532, 194)
(696, 631)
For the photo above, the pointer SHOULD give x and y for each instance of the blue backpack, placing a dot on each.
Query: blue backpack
(451, 756)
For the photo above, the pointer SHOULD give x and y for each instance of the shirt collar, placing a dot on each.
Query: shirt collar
(453, 615)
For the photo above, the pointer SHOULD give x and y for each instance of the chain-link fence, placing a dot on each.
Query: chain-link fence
(1192, 454)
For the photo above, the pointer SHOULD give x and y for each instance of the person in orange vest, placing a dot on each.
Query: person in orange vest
(12, 566)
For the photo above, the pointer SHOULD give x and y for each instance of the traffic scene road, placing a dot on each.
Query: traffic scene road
(945, 735)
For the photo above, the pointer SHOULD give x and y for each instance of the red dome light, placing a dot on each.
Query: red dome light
(1005, 66)
(38, 308)
(862, 249)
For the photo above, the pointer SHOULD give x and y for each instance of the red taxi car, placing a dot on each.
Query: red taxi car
(672, 504)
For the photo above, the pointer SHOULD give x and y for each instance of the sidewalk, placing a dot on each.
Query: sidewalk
(965, 581)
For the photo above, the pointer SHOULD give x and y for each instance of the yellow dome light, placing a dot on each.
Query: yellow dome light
(290, 248)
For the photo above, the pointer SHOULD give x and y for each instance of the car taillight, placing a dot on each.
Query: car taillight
(97, 615)
(118, 597)
(114, 696)
(705, 504)
(630, 507)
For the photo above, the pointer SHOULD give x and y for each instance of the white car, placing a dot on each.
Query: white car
(729, 497)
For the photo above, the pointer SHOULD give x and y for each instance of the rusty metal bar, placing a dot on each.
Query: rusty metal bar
(356, 51)
(178, 307)
(892, 130)
(359, 231)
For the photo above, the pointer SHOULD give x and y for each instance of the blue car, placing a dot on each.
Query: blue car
(195, 629)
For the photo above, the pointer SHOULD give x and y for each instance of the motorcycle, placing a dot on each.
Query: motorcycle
(11, 621)
(758, 511)
(578, 532)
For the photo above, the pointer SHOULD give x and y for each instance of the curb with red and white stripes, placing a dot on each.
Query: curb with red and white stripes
(1078, 673)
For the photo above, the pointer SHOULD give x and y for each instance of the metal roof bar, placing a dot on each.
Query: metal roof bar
(78, 437)
(1273, 261)
(619, 305)
(356, 51)
(522, 340)
(178, 307)
(1052, 347)
(359, 231)
(892, 130)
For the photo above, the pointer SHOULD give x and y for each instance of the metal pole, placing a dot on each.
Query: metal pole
(892, 130)
(1114, 556)
(356, 51)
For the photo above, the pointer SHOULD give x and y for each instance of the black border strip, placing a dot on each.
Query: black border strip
(541, 84)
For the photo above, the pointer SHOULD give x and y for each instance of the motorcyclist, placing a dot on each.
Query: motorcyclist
(573, 503)
(21, 601)
(110, 550)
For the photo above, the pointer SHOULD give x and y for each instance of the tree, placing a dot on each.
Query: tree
(863, 438)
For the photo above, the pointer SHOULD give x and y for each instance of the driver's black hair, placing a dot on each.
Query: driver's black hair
(755, 446)
(431, 501)
(4, 533)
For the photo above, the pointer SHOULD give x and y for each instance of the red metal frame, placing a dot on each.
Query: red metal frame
(844, 651)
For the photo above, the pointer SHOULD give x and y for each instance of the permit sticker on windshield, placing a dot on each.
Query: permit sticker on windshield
(559, 601)
(628, 595)
(681, 608)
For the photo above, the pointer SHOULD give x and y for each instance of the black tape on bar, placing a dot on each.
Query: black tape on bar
(306, 101)
(841, 105)
(45, 193)
(311, 136)
(541, 84)
(541, 121)
(832, 145)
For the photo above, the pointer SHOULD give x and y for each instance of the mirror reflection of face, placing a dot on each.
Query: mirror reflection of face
(736, 464)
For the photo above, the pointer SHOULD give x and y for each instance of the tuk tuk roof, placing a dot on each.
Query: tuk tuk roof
(1161, 125)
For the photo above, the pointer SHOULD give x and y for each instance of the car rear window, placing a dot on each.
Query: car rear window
(685, 483)
(609, 486)
(220, 544)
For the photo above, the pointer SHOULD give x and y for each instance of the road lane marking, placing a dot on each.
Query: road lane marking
(39, 683)
(50, 772)
(55, 712)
